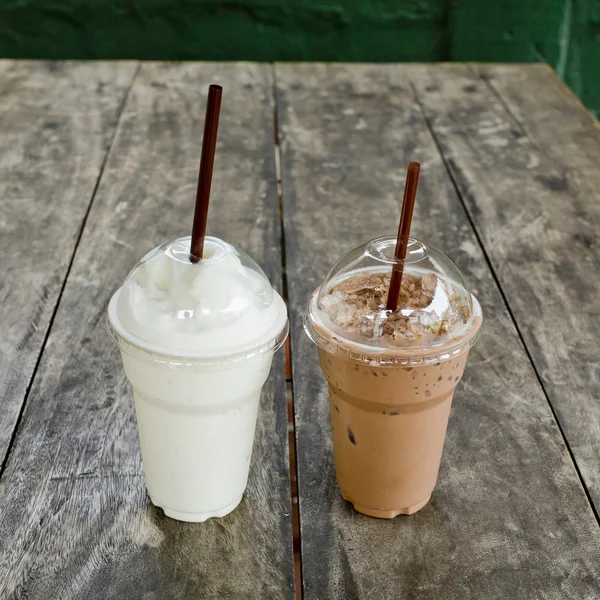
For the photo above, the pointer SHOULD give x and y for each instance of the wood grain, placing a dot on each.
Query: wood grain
(547, 110)
(529, 176)
(509, 518)
(75, 519)
(56, 122)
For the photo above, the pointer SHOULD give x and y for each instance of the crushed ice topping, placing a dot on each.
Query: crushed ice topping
(429, 309)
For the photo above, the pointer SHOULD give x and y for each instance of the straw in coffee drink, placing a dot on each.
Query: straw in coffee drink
(209, 144)
(408, 204)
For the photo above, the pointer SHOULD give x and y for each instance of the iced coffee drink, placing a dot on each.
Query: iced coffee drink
(391, 374)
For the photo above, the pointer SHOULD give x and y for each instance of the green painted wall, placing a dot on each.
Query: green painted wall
(564, 33)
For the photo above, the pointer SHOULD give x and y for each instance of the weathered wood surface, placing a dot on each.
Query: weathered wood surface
(56, 122)
(75, 520)
(547, 110)
(530, 180)
(509, 518)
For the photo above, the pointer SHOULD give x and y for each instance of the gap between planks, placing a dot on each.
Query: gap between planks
(469, 216)
(296, 541)
(488, 82)
(69, 267)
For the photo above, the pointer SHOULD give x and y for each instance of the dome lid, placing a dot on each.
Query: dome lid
(435, 310)
(223, 305)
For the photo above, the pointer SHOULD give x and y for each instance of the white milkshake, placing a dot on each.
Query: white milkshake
(197, 342)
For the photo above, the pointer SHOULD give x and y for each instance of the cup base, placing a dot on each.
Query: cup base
(386, 514)
(197, 517)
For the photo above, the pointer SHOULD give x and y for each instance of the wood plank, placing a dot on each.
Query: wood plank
(509, 518)
(551, 115)
(540, 100)
(535, 203)
(75, 519)
(56, 122)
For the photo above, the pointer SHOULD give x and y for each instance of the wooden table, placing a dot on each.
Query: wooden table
(98, 164)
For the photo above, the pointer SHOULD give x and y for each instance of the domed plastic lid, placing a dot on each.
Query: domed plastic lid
(437, 317)
(222, 306)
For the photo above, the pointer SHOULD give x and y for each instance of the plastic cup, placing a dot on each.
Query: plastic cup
(391, 387)
(197, 395)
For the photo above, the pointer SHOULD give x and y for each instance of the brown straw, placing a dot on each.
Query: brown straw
(410, 194)
(209, 144)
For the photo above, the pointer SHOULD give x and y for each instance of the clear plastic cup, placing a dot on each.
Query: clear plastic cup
(391, 375)
(197, 342)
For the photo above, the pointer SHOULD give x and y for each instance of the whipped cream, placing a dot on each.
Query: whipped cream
(222, 304)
